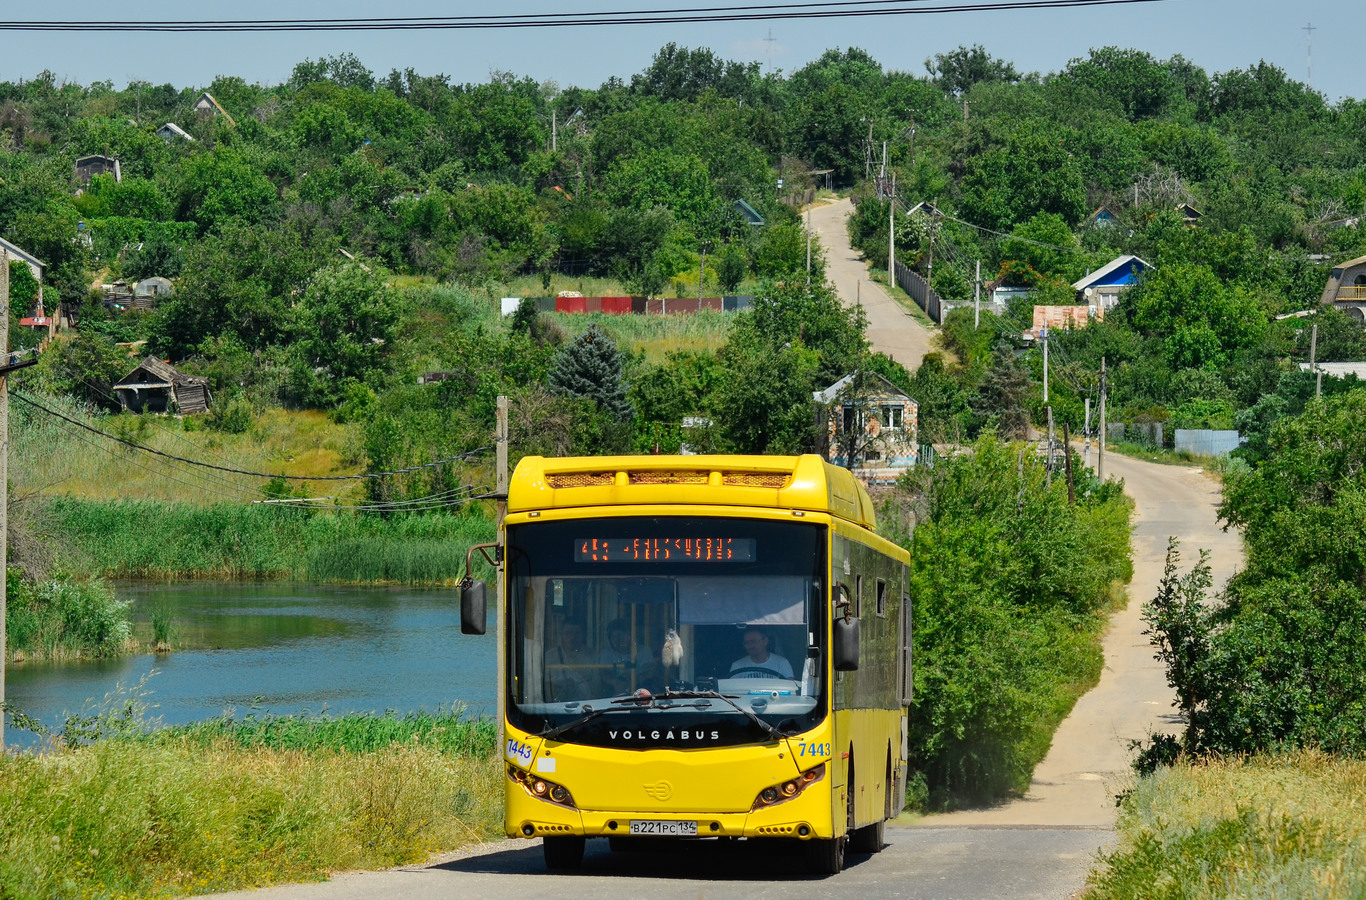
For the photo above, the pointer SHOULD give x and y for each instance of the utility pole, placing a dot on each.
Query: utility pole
(808, 244)
(1086, 428)
(701, 273)
(1067, 456)
(1309, 46)
(1313, 360)
(891, 234)
(929, 273)
(1049, 407)
(1100, 460)
(4, 480)
(501, 456)
(554, 131)
(977, 297)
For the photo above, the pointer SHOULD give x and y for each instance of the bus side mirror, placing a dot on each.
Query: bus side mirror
(473, 607)
(845, 644)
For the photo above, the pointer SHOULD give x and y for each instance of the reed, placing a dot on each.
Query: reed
(447, 730)
(654, 337)
(64, 617)
(155, 540)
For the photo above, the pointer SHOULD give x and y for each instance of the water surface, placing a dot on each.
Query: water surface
(276, 648)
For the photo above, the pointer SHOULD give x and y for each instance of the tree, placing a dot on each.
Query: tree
(731, 267)
(1032, 173)
(342, 332)
(591, 366)
(958, 70)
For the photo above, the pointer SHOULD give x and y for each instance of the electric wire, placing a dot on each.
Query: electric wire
(683, 15)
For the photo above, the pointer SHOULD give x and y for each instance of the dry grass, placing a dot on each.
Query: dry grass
(127, 819)
(1275, 826)
(53, 457)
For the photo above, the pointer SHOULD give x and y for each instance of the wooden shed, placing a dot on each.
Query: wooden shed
(156, 386)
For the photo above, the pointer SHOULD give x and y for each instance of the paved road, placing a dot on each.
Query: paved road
(890, 328)
(1041, 846)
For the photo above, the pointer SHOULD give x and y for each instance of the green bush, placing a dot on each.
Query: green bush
(1011, 583)
(65, 617)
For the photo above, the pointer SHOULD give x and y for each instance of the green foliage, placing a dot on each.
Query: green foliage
(343, 331)
(447, 730)
(86, 366)
(1033, 172)
(64, 617)
(1009, 581)
(958, 70)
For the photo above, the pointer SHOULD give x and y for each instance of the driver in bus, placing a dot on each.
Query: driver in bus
(569, 666)
(758, 658)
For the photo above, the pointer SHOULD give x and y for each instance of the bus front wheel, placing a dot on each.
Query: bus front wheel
(563, 852)
(825, 856)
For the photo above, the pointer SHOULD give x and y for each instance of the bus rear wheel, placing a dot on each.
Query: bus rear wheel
(562, 852)
(867, 839)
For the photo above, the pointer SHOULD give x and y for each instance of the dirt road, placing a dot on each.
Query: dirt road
(1088, 763)
(890, 328)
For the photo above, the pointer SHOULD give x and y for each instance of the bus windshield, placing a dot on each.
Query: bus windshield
(695, 618)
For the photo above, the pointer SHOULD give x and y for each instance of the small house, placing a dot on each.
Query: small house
(87, 167)
(1102, 287)
(206, 107)
(1103, 217)
(35, 265)
(748, 213)
(1346, 288)
(1063, 318)
(173, 132)
(872, 427)
(157, 386)
(1189, 214)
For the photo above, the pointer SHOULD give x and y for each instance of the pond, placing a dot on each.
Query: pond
(276, 648)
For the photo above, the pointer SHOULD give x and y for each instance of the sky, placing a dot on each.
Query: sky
(1216, 34)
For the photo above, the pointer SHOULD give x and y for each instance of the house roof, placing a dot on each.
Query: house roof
(749, 212)
(171, 129)
(164, 372)
(1123, 270)
(887, 388)
(1350, 263)
(19, 253)
(206, 100)
(1338, 369)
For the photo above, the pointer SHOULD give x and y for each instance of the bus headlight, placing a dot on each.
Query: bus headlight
(780, 793)
(542, 789)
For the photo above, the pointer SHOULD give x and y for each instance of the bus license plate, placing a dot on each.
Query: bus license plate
(663, 828)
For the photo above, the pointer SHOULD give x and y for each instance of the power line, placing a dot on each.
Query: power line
(685, 15)
(271, 475)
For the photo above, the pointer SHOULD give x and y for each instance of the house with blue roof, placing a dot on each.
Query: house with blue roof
(1102, 287)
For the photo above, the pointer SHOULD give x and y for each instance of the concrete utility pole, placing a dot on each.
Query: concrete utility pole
(1100, 460)
(1087, 429)
(1049, 406)
(501, 456)
(701, 273)
(4, 480)
(808, 244)
(977, 297)
(1313, 360)
(891, 234)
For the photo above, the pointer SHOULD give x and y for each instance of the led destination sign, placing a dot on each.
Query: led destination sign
(663, 549)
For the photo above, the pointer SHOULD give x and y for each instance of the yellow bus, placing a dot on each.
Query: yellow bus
(699, 647)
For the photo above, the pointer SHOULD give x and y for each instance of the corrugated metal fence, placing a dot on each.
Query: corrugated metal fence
(923, 295)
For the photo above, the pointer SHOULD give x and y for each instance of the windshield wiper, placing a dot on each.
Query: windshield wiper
(575, 723)
(713, 695)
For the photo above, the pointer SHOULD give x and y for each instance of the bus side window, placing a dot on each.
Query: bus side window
(882, 598)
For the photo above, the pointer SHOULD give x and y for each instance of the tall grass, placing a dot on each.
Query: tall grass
(64, 617)
(127, 818)
(1277, 826)
(448, 731)
(655, 336)
(157, 540)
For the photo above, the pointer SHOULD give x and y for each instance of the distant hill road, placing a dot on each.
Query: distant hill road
(890, 329)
